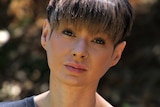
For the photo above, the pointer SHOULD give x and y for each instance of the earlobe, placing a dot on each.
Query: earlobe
(118, 52)
(45, 33)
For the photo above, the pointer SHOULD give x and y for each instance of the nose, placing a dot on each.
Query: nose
(80, 50)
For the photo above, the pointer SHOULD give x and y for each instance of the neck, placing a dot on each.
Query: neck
(62, 95)
(67, 98)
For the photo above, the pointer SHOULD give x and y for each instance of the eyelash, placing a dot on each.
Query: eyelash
(71, 34)
(68, 33)
(99, 41)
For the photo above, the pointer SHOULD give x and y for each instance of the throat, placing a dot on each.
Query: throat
(72, 99)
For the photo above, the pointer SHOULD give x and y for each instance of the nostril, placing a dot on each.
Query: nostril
(82, 56)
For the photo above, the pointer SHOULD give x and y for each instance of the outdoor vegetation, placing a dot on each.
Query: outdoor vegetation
(134, 82)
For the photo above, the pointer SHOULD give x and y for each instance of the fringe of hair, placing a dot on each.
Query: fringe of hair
(112, 17)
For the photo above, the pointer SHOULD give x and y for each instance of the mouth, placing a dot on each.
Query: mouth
(73, 67)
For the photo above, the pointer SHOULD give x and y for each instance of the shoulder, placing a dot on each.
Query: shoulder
(27, 102)
(101, 102)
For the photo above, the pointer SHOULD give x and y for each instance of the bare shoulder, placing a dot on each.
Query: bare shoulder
(41, 99)
(101, 102)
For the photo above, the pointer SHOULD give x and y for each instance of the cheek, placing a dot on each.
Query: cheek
(51, 58)
(102, 63)
(58, 49)
(54, 54)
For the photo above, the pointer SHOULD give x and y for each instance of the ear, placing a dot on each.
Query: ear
(45, 33)
(118, 52)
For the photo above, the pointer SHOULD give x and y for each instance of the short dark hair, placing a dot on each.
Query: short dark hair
(112, 17)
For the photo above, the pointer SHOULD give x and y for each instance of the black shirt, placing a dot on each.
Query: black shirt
(27, 102)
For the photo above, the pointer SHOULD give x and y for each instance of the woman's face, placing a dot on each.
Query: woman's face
(76, 57)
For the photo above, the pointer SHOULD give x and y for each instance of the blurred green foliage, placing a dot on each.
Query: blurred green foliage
(134, 82)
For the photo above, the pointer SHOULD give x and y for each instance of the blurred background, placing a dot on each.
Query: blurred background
(134, 82)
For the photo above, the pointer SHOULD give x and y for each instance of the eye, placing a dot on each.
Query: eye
(68, 32)
(99, 41)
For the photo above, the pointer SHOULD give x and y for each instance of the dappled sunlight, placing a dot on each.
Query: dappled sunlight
(10, 89)
(143, 6)
(21, 9)
(4, 37)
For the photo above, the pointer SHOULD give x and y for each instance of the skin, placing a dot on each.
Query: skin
(77, 61)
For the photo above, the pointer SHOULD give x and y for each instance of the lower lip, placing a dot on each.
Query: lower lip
(72, 69)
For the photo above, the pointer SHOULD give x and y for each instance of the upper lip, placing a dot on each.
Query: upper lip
(77, 65)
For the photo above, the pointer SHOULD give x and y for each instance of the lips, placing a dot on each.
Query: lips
(74, 67)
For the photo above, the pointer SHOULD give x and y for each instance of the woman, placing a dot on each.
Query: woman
(82, 39)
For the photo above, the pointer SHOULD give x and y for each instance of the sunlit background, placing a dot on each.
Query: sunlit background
(134, 82)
